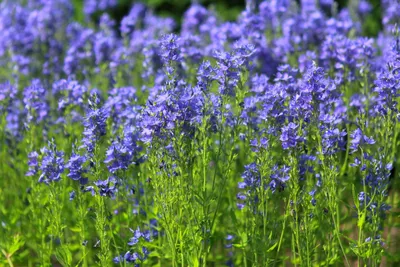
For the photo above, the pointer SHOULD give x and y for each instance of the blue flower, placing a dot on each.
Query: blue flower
(108, 187)
(52, 165)
(35, 101)
(333, 140)
(358, 139)
(289, 136)
(118, 157)
(32, 163)
(195, 18)
(92, 6)
(72, 93)
(205, 75)
(256, 145)
(279, 178)
(251, 182)
(71, 195)
(76, 169)
(170, 50)
(132, 21)
(312, 194)
(138, 255)
(251, 177)
(364, 7)
(137, 235)
(230, 66)
(7, 91)
(120, 105)
(95, 125)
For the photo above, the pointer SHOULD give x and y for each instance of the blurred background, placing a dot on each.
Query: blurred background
(226, 9)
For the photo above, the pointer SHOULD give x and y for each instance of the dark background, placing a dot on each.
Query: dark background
(227, 9)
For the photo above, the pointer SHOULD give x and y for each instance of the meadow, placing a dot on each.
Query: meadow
(267, 140)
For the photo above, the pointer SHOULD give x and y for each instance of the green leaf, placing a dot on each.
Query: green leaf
(233, 217)
(273, 247)
(361, 220)
(244, 237)
(17, 244)
(63, 255)
(75, 229)
(354, 196)
(239, 245)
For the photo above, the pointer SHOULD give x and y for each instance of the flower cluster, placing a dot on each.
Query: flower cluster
(217, 132)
